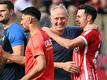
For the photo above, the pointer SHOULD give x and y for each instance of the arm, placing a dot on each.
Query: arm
(18, 51)
(67, 43)
(14, 58)
(37, 68)
(17, 59)
(68, 66)
(17, 41)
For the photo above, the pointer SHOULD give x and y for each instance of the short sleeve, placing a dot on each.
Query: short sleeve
(16, 35)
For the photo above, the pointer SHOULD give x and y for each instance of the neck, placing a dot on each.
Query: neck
(34, 28)
(90, 26)
(10, 21)
(87, 26)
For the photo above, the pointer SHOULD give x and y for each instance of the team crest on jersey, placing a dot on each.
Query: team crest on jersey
(48, 43)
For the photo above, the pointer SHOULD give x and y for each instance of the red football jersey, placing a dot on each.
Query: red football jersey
(40, 44)
(84, 56)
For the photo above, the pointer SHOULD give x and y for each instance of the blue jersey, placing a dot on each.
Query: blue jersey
(13, 36)
(62, 54)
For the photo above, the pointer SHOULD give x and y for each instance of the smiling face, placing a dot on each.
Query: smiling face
(81, 18)
(59, 19)
(4, 12)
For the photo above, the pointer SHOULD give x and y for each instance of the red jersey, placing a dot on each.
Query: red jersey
(40, 44)
(84, 56)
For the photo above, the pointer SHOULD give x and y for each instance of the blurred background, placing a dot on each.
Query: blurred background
(72, 6)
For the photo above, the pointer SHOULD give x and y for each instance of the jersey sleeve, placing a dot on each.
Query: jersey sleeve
(16, 36)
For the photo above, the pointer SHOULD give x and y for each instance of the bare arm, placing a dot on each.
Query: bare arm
(18, 51)
(37, 68)
(67, 43)
(14, 58)
(68, 66)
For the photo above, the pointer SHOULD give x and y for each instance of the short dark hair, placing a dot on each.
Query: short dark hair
(89, 10)
(32, 11)
(9, 4)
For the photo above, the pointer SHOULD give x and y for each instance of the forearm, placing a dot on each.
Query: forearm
(17, 55)
(58, 64)
(37, 68)
(34, 72)
(68, 66)
(63, 42)
(14, 58)
(68, 43)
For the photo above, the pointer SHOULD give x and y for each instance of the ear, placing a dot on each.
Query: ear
(89, 18)
(50, 19)
(11, 12)
(29, 20)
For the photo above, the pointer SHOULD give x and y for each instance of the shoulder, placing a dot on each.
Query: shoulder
(15, 31)
(91, 32)
(15, 25)
(37, 40)
(15, 28)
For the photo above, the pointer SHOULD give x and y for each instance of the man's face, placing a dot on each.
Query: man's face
(81, 18)
(24, 22)
(59, 19)
(4, 12)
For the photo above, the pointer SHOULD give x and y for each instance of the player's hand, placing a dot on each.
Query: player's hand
(70, 67)
(47, 30)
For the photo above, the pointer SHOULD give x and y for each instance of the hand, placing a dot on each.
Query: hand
(47, 30)
(70, 67)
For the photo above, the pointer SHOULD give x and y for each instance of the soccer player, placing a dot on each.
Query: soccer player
(13, 41)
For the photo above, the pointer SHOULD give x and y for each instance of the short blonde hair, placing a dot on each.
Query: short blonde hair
(61, 6)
